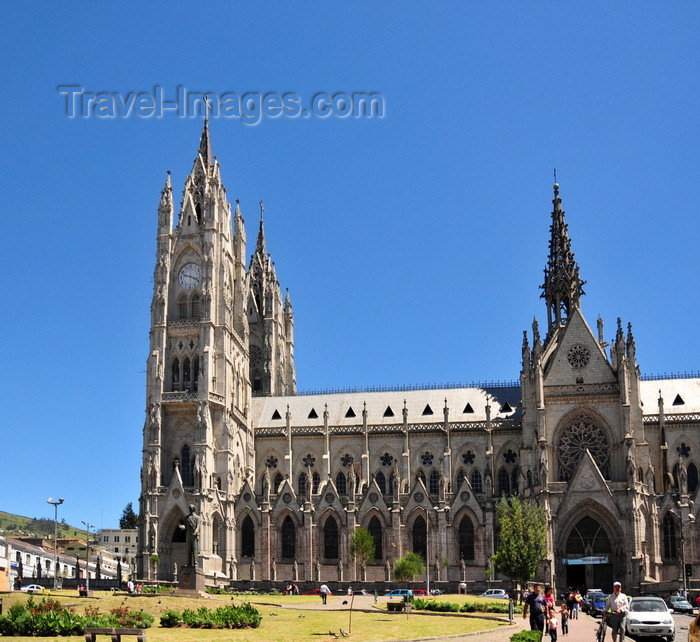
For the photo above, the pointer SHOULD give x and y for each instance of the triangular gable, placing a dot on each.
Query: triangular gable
(373, 499)
(587, 482)
(574, 338)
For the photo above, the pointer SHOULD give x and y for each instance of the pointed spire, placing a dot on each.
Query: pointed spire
(166, 207)
(239, 223)
(260, 247)
(562, 285)
(287, 302)
(205, 145)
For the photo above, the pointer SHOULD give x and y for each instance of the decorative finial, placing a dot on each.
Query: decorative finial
(206, 108)
(262, 211)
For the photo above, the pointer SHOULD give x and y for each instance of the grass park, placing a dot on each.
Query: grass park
(284, 617)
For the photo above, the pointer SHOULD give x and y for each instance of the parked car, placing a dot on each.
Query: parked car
(649, 616)
(400, 593)
(360, 592)
(597, 607)
(588, 599)
(32, 588)
(680, 604)
(419, 593)
(499, 594)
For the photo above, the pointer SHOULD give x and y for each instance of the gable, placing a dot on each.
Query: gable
(577, 356)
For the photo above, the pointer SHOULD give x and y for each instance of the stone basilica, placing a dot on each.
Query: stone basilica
(281, 480)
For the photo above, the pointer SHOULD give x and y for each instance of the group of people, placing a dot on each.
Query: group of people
(292, 589)
(543, 612)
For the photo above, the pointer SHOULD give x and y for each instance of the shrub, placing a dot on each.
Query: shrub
(170, 619)
(526, 636)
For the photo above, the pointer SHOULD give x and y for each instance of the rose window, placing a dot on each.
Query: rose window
(582, 435)
(347, 459)
(387, 459)
(427, 458)
(271, 462)
(468, 457)
(578, 356)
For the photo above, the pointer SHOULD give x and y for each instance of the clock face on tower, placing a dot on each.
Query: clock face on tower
(190, 276)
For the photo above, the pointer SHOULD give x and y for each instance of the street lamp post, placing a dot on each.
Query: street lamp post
(87, 556)
(55, 505)
(688, 520)
(427, 548)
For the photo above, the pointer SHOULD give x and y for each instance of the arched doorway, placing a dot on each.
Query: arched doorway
(588, 556)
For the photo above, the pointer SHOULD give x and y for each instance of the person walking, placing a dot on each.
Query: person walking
(564, 614)
(553, 626)
(325, 592)
(616, 606)
(536, 604)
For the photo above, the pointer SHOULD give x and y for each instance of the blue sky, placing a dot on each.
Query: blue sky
(412, 245)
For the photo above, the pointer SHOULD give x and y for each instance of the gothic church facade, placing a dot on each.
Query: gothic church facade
(281, 480)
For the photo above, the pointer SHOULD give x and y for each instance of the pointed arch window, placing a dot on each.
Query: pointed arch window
(670, 542)
(421, 475)
(186, 467)
(316, 482)
(419, 536)
(466, 538)
(330, 539)
(504, 482)
(477, 482)
(195, 374)
(186, 374)
(247, 537)
(692, 478)
(301, 485)
(176, 375)
(182, 307)
(278, 482)
(289, 544)
(195, 306)
(460, 478)
(434, 487)
(381, 482)
(375, 530)
(341, 483)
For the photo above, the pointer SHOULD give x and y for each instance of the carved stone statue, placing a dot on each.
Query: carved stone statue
(273, 570)
(295, 571)
(192, 536)
(252, 569)
(340, 571)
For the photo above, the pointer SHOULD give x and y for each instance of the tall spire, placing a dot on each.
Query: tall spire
(260, 247)
(204, 142)
(562, 286)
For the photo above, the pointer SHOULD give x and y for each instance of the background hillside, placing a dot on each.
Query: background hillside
(15, 525)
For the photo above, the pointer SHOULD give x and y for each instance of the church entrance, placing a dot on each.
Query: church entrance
(588, 556)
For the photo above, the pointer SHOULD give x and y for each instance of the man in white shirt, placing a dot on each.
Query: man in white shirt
(617, 606)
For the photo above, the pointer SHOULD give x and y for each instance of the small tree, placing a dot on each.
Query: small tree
(408, 567)
(129, 518)
(154, 560)
(362, 545)
(522, 539)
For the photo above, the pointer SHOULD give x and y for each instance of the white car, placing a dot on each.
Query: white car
(499, 594)
(649, 616)
(32, 588)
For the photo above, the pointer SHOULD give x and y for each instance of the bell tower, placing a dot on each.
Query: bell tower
(197, 440)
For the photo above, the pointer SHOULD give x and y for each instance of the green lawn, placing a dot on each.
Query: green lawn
(281, 621)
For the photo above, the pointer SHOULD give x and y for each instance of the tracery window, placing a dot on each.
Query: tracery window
(248, 537)
(341, 483)
(419, 536)
(476, 482)
(434, 482)
(176, 375)
(316, 478)
(692, 478)
(381, 482)
(466, 538)
(670, 544)
(186, 467)
(581, 435)
(330, 539)
(301, 485)
(195, 306)
(278, 482)
(195, 374)
(421, 475)
(182, 307)
(289, 545)
(186, 374)
(460, 478)
(375, 530)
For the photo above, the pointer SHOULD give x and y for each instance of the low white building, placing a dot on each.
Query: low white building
(122, 543)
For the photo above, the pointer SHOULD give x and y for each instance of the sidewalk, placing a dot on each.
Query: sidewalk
(584, 629)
